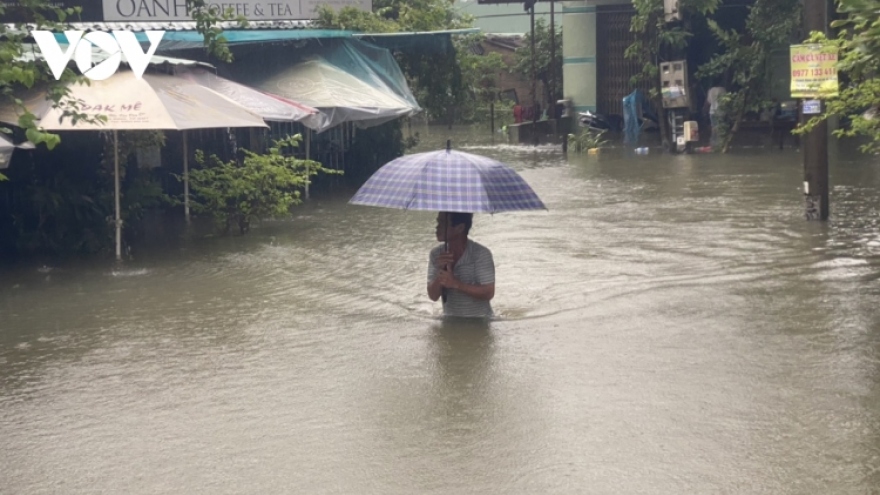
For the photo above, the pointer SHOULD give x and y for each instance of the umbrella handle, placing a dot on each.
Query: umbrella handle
(443, 294)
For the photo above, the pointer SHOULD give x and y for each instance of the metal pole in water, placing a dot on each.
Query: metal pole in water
(816, 141)
(534, 79)
(186, 180)
(552, 74)
(117, 188)
(308, 153)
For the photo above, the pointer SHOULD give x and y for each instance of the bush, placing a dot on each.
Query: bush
(586, 139)
(263, 186)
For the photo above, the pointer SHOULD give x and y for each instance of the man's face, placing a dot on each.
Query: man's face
(444, 230)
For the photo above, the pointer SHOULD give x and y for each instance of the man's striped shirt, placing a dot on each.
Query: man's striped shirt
(475, 267)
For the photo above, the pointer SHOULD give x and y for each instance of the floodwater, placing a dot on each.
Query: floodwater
(670, 325)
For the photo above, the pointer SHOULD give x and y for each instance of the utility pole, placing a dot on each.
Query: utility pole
(534, 77)
(816, 141)
(552, 75)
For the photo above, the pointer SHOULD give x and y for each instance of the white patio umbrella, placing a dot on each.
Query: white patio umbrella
(155, 102)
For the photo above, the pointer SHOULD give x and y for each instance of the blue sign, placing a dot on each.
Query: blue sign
(812, 107)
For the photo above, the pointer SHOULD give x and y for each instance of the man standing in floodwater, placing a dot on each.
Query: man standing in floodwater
(465, 270)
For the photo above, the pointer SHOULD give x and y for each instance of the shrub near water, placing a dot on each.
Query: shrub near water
(262, 186)
(586, 139)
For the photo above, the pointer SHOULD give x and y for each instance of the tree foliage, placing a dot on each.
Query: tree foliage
(659, 41)
(262, 186)
(745, 57)
(19, 72)
(209, 20)
(481, 76)
(858, 43)
(544, 66)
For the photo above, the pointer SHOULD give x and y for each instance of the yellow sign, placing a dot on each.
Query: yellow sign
(813, 71)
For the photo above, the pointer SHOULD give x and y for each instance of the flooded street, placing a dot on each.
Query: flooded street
(670, 325)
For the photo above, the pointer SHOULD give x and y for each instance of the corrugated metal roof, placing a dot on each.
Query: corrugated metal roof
(173, 25)
(418, 33)
(236, 36)
(418, 40)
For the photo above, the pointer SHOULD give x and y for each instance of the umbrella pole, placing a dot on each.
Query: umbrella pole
(308, 157)
(117, 193)
(186, 180)
(445, 250)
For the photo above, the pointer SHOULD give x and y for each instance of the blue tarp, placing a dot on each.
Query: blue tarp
(636, 110)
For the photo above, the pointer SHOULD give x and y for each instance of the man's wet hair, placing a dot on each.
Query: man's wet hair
(462, 218)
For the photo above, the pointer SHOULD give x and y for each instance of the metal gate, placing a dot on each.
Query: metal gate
(613, 71)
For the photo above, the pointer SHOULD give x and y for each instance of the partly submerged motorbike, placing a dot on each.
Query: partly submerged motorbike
(597, 122)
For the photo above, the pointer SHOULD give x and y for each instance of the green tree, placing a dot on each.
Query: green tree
(857, 40)
(209, 22)
(544, 66)
(262, 186)
(19, 72)
(770, 25)
(481, 75)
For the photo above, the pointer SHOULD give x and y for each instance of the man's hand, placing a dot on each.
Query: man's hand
(447, 280)
(443, 261)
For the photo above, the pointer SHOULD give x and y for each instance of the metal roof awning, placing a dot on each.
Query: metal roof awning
(237, 36)
(31, 52)
(418, 33)
(172, 26)
(182, 35)
(419, 40)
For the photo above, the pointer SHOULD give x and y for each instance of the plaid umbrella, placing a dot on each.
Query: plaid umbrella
(448, 180)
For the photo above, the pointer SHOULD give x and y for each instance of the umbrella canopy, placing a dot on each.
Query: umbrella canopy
(448, 180)
(155, 102)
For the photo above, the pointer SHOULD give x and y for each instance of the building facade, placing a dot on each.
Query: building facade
(595, 34)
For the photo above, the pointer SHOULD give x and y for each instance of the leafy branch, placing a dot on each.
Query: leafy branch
(263, 186)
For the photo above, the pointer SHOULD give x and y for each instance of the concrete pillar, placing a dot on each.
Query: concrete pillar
(579, 54)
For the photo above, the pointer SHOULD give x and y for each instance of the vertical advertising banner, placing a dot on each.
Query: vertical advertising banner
(813, 71)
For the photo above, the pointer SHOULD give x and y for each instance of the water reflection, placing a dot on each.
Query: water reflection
(461, 394)
(462, 349)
